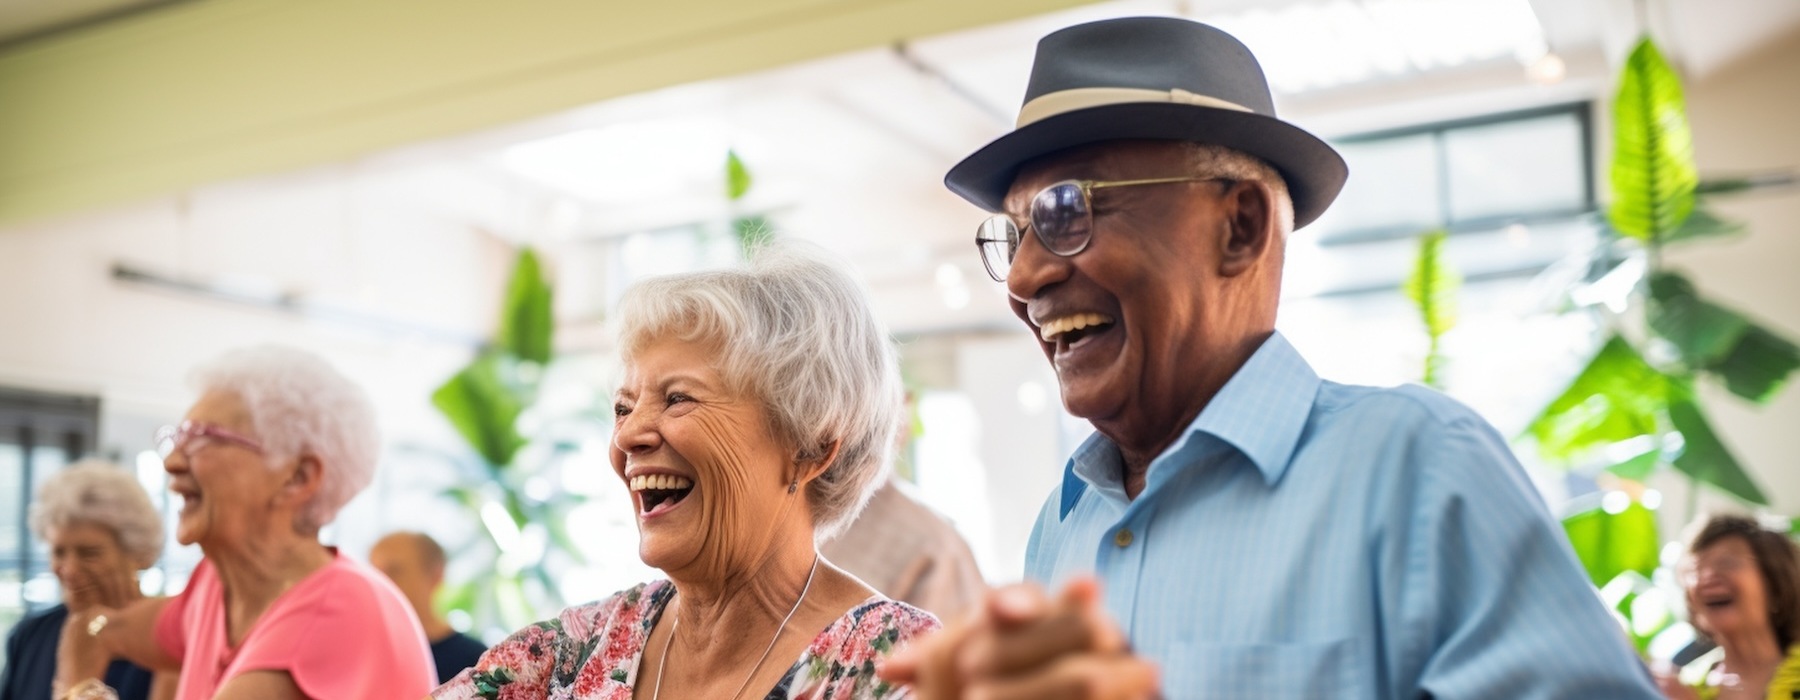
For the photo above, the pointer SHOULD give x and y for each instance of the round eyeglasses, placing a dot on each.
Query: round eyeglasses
(1062, 216)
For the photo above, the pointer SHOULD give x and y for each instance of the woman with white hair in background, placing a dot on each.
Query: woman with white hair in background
(102, 530)
(756, 416)
(277, 443)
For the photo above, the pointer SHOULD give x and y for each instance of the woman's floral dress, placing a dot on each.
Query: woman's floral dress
(591, 652)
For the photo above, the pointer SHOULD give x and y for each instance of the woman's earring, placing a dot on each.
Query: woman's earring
(793, 485)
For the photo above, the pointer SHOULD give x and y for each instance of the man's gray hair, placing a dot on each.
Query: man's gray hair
(1219, 161)
(98, 492)
(795, 330)
(298, 406)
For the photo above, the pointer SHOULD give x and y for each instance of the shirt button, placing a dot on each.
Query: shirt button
(1123, 538)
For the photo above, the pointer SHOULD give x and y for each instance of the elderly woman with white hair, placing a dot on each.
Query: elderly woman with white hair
(102, 530)
(756, 416)
(277, 443)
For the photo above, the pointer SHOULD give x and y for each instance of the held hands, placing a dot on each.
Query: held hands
(1022, 644)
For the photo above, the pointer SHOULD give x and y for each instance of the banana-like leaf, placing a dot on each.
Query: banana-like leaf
(483, 409)
(1653, 176)
(1702, 331)
(1752, 360)
(1637, 468)
(737, 177)
(1758, 365)
(1610, 544)
(1432, 287)
(1703, 224)
(1703, 456)
(1617, 397)
(526, 326)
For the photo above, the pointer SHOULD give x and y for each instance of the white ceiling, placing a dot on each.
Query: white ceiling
(850, 151)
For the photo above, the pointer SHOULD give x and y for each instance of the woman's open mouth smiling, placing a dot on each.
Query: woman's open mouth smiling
(658, 493)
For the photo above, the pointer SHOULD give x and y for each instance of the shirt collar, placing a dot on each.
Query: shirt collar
(1260, 411)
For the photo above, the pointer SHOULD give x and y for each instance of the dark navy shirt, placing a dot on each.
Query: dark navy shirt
(31, 661)
(452, 654)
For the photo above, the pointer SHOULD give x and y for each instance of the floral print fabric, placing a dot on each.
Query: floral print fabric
(591, 652)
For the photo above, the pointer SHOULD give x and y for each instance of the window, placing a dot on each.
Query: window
(1514, 192)
(39, 433)
(1523, 167)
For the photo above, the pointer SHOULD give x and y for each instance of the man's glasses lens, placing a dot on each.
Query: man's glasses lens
(999, 241)
(1061, 217)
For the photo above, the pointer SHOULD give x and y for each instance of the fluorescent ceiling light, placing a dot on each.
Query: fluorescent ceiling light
(1319, 45)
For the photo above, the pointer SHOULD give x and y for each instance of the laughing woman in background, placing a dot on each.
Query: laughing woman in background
(277, 443)
(102, 530)
(1743, 592)
(756, 416)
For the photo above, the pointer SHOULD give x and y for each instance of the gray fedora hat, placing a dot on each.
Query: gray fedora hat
(1151, 78)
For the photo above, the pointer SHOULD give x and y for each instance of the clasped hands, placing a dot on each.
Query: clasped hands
(1023, 644)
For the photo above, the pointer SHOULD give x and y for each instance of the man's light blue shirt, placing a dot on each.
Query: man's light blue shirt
(1306, 539)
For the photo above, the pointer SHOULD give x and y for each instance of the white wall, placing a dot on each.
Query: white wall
(69, 326)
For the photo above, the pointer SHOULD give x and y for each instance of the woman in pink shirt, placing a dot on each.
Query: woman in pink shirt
(277, 442)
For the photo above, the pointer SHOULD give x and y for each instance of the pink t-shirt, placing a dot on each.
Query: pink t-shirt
(344, 631)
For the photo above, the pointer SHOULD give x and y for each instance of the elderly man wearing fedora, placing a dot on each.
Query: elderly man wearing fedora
(1237, 527)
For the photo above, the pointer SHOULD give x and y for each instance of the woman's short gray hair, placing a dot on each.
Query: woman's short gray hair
(299, 405)
(98, 492)
(1219, 161)
(794, 329)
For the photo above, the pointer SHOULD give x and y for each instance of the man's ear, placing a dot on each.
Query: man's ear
(1248, 207)
(812, 466)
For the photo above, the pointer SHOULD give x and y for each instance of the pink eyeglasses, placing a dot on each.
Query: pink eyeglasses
(183, 437)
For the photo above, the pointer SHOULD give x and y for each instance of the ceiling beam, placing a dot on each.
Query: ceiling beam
(206, 91)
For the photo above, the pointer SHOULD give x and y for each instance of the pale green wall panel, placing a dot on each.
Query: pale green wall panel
(215, 89)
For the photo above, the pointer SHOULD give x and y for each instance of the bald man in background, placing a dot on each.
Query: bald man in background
(415, 563)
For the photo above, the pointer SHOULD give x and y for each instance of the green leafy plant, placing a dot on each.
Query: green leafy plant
(1634, 408)
(484, 402)
(1432, 287)
(752, 230)
(1637, 399)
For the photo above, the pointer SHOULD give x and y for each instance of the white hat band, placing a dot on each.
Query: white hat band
(1052, 104)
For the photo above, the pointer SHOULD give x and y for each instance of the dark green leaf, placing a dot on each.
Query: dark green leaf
(1753, 361)
(482, 409)
(1432, 288)
(1653, 176)
(737, 177)
(526, 325)
(1637, 468)
(1723, 185)
(1703, 456)
(1702, 331)
(1703, 224)
(1618, 396)
(1610, 544)
(1758, 365)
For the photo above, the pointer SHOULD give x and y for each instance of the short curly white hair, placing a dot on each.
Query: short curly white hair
(98, 492)
(299, 405)
(794, 329)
